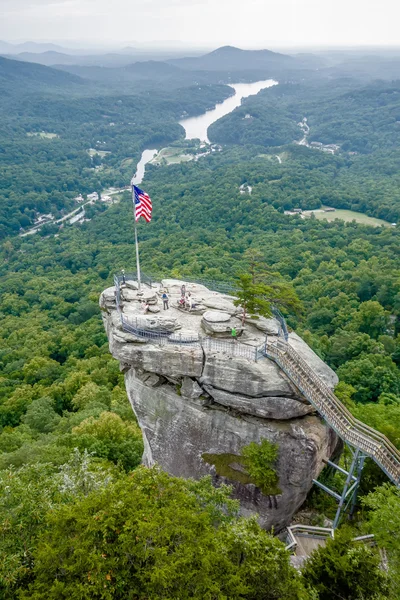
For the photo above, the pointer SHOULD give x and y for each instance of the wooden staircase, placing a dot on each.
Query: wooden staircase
(349, 429)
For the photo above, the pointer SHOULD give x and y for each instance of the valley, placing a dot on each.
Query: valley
(225, 143)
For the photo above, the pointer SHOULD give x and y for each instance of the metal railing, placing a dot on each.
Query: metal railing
(232, 348)
(319, 533)
(373, 443)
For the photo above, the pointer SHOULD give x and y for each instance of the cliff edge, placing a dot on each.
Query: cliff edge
(200, 396)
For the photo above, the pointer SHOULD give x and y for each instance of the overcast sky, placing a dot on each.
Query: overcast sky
(206, 23)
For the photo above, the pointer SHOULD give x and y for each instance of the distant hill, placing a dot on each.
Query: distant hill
(109, 59)
(48, 58)
(367, 68)
(34, 47)
(144, 74)
(153, 68)
(229, 58)
(17, 75)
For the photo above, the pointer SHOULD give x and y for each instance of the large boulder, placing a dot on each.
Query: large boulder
(268, 326)
(240, 375)
(200, 400)
(216, 302)
(107, 299)
(216, 316)
(267, 407)
(174, 286)
(313, 360)
(190, 440)
(152, 323)
(170, 360)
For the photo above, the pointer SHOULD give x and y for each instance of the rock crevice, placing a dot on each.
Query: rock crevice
(196, 401)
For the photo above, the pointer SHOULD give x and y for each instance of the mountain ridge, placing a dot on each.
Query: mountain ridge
(233, 59)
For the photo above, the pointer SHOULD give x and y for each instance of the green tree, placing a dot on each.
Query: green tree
(258, 298)
(260, 461)
(345, 571)
(371, 375)
(384, 520)
(154, 536)
(41, 416)
(26, 497)
(372, 319)
(111, 438)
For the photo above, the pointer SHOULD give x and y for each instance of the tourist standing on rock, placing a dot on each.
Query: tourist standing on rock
(183, 290)
(234, 334)
(189, 301)
(123, 277)
(165, 300)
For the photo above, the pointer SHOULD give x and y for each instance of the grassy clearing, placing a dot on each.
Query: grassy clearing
(170, 156)
(347, 215)
(101, 153)
(126, 162)
(43, 134)
(274, 157)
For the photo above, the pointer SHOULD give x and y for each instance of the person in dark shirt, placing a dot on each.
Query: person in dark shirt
(165, 300)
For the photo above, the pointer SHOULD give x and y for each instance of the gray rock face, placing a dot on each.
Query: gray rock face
(107, 299)
(216, 316)
(267, 407)
(180, 435)
(200, 403)
(317, 364)
(217, 303)
(242, 376)
(157, 324)
(191, 389)
(269, 326)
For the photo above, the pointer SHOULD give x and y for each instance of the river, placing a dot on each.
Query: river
(196, 127)
(147, 156)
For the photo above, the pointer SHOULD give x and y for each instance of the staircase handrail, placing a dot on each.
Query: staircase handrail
(371, 442)
(341, 407)
(355, 432)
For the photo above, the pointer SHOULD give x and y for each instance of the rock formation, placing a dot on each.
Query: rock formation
(199, 403)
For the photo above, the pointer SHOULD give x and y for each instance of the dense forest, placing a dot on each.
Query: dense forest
(43, 173)
(72, 489)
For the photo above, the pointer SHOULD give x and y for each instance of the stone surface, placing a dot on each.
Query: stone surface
(190, 388)
(216, 316)
(196, 400)
(217, 303)
(243, 376)
(175, 361)
(313, 360)
(154, 309)
(174, 286)
(267, 407)
(160, 323)
(178, 433)
(268, 326)
(146, 295)
(218, 327)
(107, 298)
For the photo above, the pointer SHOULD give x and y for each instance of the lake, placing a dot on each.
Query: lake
(147, 156)
(196, 127)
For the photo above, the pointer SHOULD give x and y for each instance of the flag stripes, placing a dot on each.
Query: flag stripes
(142, 204)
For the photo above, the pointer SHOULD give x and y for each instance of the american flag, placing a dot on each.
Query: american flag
(142, 204)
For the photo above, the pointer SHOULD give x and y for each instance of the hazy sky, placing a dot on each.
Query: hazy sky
(204, 23)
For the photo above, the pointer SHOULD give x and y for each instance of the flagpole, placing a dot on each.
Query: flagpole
(136, 241)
